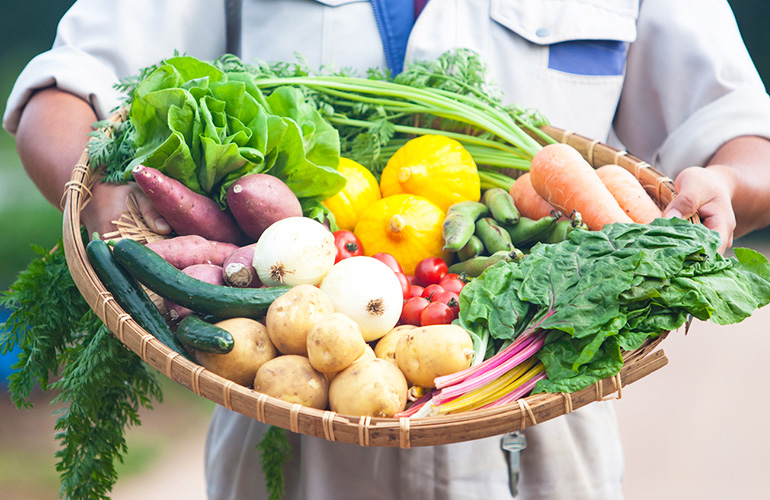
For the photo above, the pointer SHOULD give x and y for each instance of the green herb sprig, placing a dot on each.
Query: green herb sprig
(65, 347)
(274, 450)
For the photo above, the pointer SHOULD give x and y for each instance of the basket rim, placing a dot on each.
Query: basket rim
(332, 426)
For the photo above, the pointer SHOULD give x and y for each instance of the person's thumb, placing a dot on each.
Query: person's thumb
(150, 214)
(692, 193)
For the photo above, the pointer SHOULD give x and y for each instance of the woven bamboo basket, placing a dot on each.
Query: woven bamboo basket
(364, 431)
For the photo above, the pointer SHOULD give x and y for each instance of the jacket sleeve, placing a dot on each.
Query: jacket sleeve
(98, 43)
(690, 85)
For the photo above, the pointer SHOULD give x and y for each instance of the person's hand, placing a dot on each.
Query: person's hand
(108, 201)
(707, 192)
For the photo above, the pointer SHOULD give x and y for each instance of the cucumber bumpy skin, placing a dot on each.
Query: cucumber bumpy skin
(129, 294)
(201, 335)
(152, 271)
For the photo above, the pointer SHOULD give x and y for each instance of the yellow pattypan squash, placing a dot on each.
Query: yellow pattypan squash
(404, 225)
(435, 167)
(360, 191)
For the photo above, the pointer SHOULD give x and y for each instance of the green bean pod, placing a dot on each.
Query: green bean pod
(460, 223)
(473, 248)
(475, 266)
(528, 230)
(494, 237)
(560, 231)
(501, 206)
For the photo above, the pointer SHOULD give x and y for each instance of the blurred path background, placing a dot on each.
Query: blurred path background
(697, 428)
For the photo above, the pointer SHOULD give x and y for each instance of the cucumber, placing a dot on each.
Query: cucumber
(129, 295)
(155, 273)
(201, 335)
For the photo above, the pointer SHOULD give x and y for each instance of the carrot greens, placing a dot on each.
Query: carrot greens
(63, 346)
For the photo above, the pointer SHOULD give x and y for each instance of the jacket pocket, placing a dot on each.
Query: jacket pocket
(576, 50)
(583, 37)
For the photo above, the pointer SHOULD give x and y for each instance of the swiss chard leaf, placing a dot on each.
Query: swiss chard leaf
(601, 292)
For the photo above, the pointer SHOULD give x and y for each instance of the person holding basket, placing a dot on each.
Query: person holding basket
(669, 81)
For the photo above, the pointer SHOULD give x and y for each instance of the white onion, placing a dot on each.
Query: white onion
(368, 292)
(294, 251)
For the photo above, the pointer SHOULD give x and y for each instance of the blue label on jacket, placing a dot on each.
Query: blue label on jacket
(588, 57)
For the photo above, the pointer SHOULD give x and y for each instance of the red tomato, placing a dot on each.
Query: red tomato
(449, 298)
(452, 284)
(430, 271)
(431, 291)
(390, 261)
(416, 290)
(436, 313)
(347, 245)
(410, 313)
(406, 288)
(410, 277)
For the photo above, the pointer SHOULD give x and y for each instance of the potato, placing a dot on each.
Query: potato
(334, 343)
(252, 347)
(369, 387)
(368, 354)
(428, 352)
(291, 378)
(291, 316)
(258, 200)
(386, 346)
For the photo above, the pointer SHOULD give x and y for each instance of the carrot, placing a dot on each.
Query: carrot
(629, 193)
(186, 211)
(565, 179)
(526, 199)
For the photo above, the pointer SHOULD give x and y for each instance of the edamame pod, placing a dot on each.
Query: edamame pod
(460, 223)
(501, 206)
(473, 248)
(475, 266)
(494, 237)
(528, 230)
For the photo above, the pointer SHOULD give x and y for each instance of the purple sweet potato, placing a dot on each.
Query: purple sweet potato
(185, 251)
(204, 272)
(258, 200)
(186, 211)
(238, 268)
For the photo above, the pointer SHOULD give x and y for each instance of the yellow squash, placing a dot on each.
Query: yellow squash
(435, 167)
(360, 191)
(404, 225)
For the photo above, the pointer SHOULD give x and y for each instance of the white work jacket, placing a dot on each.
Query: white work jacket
(668, 79)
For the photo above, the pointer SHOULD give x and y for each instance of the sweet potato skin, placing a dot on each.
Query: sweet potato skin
(258, 200)
(191, 249)
(186, 211)
(238, 268)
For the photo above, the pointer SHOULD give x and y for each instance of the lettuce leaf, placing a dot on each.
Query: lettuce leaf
(206, 128)
(602, 292)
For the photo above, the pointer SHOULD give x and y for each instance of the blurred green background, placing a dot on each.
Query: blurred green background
(27, 28)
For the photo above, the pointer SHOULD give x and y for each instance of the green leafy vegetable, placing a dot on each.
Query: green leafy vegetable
(375, 115)
(275, 451)
(601, 292)
(111, 148)
(206, 128)
(102, 384)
